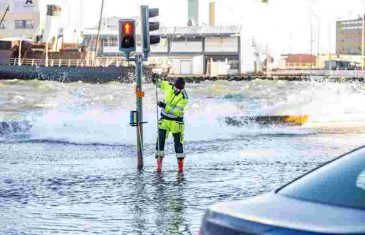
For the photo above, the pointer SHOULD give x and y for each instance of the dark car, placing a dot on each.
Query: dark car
(328, 200)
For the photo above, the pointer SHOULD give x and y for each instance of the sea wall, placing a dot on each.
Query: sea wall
(127, 74)
(69, 74)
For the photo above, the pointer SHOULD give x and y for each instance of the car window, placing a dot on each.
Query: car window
(341, 182)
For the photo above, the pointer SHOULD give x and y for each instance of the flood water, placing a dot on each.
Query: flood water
(74, 171)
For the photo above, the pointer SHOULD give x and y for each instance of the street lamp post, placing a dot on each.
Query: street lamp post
(99, 28)
(318, 36)
(329, 48)
(311, 36)
(362, 42)
(311, 39)
(311, 14)
(330, 42)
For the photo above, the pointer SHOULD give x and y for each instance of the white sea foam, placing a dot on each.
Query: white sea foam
(93, 114)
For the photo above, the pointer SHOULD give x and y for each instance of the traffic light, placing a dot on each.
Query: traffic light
(127, 36)
(148, 27)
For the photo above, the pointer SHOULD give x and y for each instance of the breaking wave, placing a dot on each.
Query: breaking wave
(88, 117)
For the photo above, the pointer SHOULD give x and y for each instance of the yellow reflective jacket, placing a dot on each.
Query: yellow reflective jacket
(175, 103)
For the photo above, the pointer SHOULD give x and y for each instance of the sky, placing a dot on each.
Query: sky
(284, 26)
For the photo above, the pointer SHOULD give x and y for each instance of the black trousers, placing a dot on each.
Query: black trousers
(179, 148)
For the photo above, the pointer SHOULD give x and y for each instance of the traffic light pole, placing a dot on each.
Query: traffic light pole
(127, 44)
(139, 96)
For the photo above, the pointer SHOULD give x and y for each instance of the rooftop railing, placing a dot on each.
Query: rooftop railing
(99, 62)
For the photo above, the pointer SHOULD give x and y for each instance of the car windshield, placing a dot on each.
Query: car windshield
(341, 182)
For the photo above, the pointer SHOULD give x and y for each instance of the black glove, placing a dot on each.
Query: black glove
(161, 104)
(154, 77)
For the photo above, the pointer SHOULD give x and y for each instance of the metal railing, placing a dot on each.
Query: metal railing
(99, 62)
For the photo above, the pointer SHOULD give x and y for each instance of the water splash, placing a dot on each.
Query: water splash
(92, 113)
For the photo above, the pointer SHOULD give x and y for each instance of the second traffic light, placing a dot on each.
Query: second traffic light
(127, 36)
(148, 27)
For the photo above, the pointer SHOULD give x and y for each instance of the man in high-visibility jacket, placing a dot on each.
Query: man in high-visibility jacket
(172, 119)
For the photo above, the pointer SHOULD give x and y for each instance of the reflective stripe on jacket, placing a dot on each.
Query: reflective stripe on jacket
(175, 103)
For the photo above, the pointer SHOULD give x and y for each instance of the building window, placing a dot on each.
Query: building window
(29, 24)
(2, 26)
(24, 24)
(111, 41)
(19, 24)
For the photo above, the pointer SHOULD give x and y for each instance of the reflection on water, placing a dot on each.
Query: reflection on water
(174, 221)
(73, 171)
(57, 188)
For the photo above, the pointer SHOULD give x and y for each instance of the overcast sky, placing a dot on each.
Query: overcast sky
(284, 25)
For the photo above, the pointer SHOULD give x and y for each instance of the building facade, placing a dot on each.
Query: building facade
(210, 50)
(28, 19)
(326, 61)
(198, 50)
(298, 61)
(349, 36)
(21, 18)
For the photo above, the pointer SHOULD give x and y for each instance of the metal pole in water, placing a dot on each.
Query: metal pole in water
(139, 94)
(158, 139)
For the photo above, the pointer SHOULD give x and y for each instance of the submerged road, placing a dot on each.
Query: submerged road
(74, 171)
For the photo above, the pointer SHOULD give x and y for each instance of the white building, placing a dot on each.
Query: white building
(21, 18)
(195, 50)
(27, 18)
(208, 50)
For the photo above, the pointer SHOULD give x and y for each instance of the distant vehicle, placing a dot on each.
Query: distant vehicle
(328, 200)
(286, 120)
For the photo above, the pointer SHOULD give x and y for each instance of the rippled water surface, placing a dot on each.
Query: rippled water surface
(73, 171)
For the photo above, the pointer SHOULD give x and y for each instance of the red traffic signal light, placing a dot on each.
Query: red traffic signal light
(127, 28)
(127, 36)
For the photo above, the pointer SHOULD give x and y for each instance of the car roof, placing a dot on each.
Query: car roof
(284, 212)
(361, 148)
